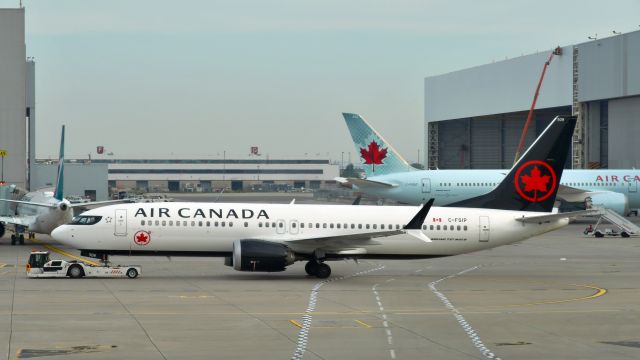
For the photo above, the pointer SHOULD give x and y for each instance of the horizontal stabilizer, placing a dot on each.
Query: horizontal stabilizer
(30, 203)
(553, 217)
(365, 183)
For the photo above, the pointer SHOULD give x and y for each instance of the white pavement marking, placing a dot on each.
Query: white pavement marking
(303, 334)
(385, 323)
(471, 333)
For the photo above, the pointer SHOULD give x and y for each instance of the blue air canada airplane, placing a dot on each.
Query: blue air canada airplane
(42, 211)
(270, 237)
(390, 176)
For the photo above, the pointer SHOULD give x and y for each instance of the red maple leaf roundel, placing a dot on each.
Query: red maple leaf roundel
(536, 184)
(142, 238)
(374, 154)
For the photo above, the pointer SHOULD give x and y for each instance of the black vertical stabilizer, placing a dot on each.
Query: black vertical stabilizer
(533, 182)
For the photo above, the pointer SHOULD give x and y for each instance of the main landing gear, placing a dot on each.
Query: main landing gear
(317, 269)
(17, 239)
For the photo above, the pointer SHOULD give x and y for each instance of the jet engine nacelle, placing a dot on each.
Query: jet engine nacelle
(63, 206)
(614, 201)
(260, 255)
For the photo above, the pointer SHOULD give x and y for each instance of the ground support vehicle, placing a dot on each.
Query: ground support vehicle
(41, 266)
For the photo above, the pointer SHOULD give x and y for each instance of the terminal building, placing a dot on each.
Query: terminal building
(474, 117)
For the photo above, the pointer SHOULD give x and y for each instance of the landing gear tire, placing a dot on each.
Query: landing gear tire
(624, 234)
(323, 271)
(21, 239)
(311, 268)
(13, 239)
(75, 272)
(132, 273)
(32, 235)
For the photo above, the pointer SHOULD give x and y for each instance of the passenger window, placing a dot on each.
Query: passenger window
(273, 224)
(208, 223)
(265, 224)
(293, 225)
(359, 226)
(260, 224)
(353, 226)
(324, 225)
(375, 226)
(200, 223)
(193, 223)
(230, 223)
(301, 225)
(424, 227)
(331, 225)
(142, 222)
(346, 226)
(317, 225)
(177, 223)
(430, 227)
(184, 223)
(164, 222)
(280, 225)
(397, 227)
(367, 226)
(381, 226)
(170, 222)
(444, 227)
(246, 224)
(438, 227)
(465, 228)
(157, 222)
(222, 223)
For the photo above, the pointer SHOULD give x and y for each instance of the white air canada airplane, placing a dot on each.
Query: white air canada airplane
(269, 237)
(42, 211)
(390, 176)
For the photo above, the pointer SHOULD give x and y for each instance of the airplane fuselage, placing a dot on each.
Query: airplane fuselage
(211, 229)
(450, 186)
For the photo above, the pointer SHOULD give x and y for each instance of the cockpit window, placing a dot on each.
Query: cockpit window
(85, 220)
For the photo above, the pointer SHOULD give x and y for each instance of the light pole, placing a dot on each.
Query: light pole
(3, 153)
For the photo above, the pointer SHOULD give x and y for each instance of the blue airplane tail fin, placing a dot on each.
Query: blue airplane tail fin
(58, 194)
(377, 156)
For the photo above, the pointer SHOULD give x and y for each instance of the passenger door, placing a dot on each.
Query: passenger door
(633, 186)
(484, 228)
(426, 186)
(120, 222)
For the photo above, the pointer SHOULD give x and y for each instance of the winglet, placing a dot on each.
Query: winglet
(58, 194)
(418, 220)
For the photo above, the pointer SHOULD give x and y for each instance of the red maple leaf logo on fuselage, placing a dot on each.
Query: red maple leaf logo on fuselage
(141, 238)
(374, 154)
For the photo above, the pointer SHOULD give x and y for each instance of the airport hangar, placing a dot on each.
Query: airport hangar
(474, 117)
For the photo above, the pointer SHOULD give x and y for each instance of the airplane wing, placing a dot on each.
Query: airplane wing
(346, 242)
(552, 217)
(18, 220)
(30, 203)
(365, 183)
(100, 203)
(572, 194)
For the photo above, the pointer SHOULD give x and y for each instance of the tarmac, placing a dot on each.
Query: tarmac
(557, 296)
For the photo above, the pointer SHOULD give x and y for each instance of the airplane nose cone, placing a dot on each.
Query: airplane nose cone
(61, 234)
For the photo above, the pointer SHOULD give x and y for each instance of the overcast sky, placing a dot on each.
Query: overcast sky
(197, 78)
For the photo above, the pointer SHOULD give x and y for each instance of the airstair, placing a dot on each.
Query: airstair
(614, 218)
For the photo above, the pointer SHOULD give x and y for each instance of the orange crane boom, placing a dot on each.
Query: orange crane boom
(556, 51)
